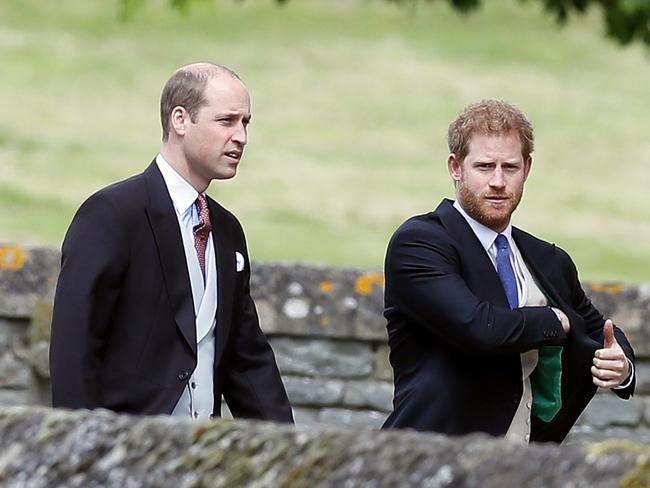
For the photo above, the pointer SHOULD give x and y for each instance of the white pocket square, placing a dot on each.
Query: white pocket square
(240, 261)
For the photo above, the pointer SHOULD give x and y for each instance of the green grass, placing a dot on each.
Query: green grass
(351, 102)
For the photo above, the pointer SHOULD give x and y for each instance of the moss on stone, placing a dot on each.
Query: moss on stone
(639, 477)
(614, 445)
(40, 327)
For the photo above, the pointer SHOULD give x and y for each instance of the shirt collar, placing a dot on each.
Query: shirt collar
(484, 234)
(183, 194)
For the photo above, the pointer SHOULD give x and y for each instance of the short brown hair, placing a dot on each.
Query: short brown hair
(489, 117)
(186, 88)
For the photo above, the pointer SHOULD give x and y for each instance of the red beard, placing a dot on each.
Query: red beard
(491, 215)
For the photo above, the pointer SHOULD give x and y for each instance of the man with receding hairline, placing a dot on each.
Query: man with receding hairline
(153, 312)
(489, 329)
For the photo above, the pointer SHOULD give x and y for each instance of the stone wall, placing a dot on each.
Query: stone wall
(45, 448)
(328, 333)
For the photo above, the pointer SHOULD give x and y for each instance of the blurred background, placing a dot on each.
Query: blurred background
(351, 103)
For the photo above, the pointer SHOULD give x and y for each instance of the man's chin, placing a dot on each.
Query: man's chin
(226, 175)
(497, 221)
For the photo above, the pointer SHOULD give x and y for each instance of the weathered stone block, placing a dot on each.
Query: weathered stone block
(26, 273)
(41, 324)
(6, 337)
(586, 434)
(15, 397)
(14, 373)
(376, 395)
(642, 374)
(38, 357)
(628, 306)
(354, 418)
(12, 332)
(322, 357)
(314, 392)
(297, 299)
(383, 369)
(606, 409)
(50, 448)
(35, 349)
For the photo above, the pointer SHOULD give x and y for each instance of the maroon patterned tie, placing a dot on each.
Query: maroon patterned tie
(202, 231)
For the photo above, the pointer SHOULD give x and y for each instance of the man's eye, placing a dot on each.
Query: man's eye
(225, 121)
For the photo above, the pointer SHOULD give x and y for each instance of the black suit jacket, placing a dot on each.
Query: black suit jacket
(455, 343)
(123, 329)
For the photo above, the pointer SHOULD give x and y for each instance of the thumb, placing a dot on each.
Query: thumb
(608, 330)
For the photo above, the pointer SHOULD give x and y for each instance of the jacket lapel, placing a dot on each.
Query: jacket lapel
(226, 273)
(539, 262)
(164, 225)
(534, 262)
(478, 270)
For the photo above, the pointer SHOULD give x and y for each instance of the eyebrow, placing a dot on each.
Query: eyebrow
(233, 115)
(494, 161)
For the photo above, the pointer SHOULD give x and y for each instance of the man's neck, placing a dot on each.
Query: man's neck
(177, 160)
(484, 234)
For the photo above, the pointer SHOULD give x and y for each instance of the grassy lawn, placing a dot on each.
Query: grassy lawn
(351, 102)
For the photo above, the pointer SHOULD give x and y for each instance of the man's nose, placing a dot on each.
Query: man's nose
(241, 135)
(497, 180)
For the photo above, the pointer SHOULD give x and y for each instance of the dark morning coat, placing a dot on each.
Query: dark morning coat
(454, 342)
(123, 329)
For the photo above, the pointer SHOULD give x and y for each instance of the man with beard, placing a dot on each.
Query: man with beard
(488, 326)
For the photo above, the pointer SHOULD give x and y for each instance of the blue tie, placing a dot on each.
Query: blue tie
(505, 271)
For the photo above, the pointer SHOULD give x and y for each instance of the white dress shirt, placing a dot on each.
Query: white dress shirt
(197, 399)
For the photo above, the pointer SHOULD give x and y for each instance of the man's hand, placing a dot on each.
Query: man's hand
(564, 320)
(611, 367)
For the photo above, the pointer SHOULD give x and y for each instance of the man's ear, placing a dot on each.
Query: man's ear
(179, 119)
(527, 166)
(455, 167)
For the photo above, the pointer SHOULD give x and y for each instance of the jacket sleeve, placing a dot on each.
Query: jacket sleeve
(424, 281)
(594, 322)
(94, 256)
(253, 387)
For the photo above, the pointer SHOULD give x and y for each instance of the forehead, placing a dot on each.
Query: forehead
(226, 93)
(495, 146)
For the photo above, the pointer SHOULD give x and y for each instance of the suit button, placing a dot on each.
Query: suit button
(183, 375)
(515, 399)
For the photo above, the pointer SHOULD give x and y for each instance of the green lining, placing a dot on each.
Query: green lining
(546, 383)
